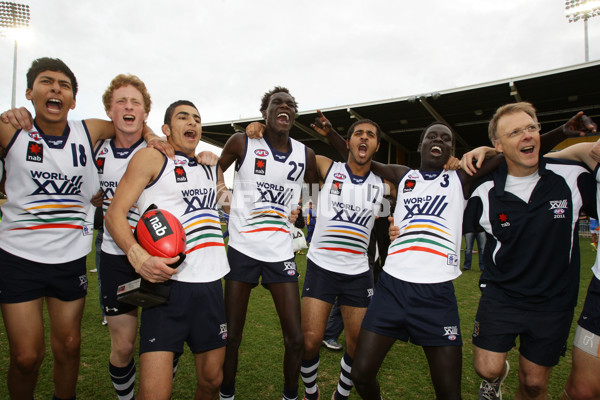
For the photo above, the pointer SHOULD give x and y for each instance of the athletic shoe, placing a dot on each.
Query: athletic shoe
(104, 322)
(493, 390)
(332, 344)
(94, 270)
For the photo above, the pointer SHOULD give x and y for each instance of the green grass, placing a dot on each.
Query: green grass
(404, 373)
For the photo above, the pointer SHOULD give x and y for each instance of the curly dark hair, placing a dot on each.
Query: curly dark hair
(267, 97)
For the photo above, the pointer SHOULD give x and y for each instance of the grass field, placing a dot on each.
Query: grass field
(404, 373)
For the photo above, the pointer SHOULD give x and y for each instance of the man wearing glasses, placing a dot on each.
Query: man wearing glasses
(529, 208)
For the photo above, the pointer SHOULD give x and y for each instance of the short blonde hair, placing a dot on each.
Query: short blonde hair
(509, 109)
(124, 80)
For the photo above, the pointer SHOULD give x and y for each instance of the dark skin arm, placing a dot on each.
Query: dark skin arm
(233, 150)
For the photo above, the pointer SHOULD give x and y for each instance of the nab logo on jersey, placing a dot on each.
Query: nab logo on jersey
(180, 175)
(35, 152)
(503, 218)
(261, 152)
(336, 188)
(409, 185)
(339, 176)
(260, 166)
(100, 164)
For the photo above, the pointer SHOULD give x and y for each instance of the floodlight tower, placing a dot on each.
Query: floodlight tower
(13, 16)
(582, 9)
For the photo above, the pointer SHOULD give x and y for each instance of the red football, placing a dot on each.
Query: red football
(160, 233)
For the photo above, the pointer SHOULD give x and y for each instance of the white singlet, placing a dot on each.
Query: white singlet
(429, 213)
(347, 207)
(188, 190)
(50, 181)
(112, 163)
(266, 185)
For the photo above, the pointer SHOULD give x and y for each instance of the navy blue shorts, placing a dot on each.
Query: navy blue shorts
(115, 271)
(23, 280)
(249, 270)
(590, 315)
(350, 290)
(425, 314)
(194, 314)
(542, 334)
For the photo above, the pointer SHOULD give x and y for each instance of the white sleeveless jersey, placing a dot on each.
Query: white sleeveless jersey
(112, 163)
(429, 213)
(50, 181)
(188, 190)
(267, 184)
(346, 211)
(596, 267)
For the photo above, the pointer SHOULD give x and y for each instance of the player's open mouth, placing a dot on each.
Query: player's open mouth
(436, 150)
(527, 150)
(190, 134)
(129, 118)
(362, 149)
(54, 105)
(283, 118)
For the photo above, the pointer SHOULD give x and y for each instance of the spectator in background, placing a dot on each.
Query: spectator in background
(472, 231)
(311, 221)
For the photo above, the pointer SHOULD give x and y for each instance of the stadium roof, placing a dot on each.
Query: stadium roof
(557, 95)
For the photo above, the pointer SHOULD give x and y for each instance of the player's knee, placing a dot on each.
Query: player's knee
(211, 380)
(312, 342)
(294, 342)
(489, 371)
(28, 361)
(533, 387)
(124, 350)
(66, 347)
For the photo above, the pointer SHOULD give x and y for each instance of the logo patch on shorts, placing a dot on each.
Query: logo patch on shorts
(370, 292)
(290, 268)
(451, 332)
(35, 152)
(476, 329)
(223, 331)
(83, 282)
(180, 175)
(260, 166)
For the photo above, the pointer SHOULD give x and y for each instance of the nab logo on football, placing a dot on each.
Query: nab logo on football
(336, 188)
(261, 152)
(180, 175)
(35, 152)
(339, 176)
(260, 166)
(157, 226)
